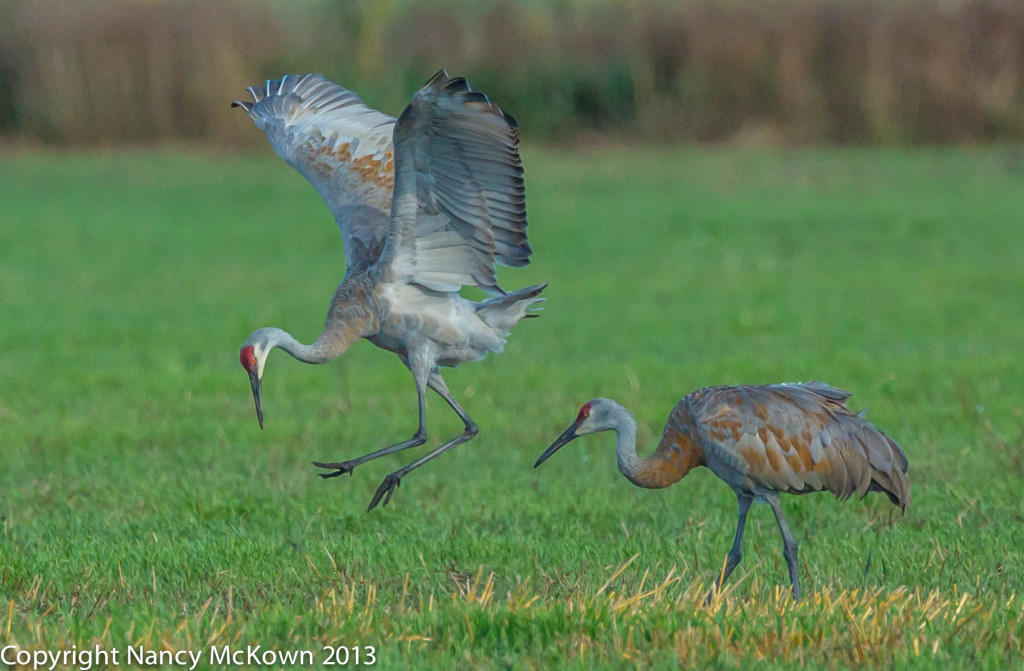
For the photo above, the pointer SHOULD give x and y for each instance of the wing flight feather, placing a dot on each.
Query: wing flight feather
(437, 197)
(460, 204)
(340, 145)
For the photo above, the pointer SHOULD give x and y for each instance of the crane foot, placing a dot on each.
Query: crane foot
(342, 466)
(386, 489)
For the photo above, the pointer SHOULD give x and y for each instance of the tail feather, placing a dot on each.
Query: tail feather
(889, 474)
(895, 483)
(863, 459)
(502, 312)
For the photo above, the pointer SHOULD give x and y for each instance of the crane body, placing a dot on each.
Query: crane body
(426, 203)
(762, 441)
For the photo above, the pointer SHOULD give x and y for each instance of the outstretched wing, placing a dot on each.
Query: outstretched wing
(460, 203)
(800, 438)
(340, 145)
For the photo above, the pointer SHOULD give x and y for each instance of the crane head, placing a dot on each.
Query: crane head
(586, 422)
(252, 361)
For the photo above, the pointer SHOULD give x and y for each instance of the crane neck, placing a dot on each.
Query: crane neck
(320, 351)
(674, 457)
(625, 448)
(353, 315)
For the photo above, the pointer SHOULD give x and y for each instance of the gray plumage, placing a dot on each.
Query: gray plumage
(341, 146)
(762, 441)
(426, 204)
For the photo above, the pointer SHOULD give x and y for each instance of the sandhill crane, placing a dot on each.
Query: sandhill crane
(426, 204)
(762, 441)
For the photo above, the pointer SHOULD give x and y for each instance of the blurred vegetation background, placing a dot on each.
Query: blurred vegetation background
(104, 72)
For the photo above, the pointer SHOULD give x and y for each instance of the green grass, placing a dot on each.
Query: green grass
(143, 506)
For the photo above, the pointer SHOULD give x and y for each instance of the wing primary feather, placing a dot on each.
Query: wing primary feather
(315, 126)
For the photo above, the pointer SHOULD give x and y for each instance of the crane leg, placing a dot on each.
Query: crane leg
(417, 439)
(789, 547)
(393, 480)
(732, 560)
(436, 382)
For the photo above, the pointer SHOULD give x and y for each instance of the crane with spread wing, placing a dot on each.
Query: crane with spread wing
(426, 204)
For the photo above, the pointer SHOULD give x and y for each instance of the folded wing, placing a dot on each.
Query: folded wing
(340, 145)
(801, 438)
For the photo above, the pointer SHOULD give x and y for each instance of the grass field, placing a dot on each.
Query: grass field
(143, 506)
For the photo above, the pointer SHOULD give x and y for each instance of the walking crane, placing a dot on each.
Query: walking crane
(762, 441)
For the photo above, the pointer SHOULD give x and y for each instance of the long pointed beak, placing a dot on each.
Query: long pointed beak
(567, 437)
(256, 383)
